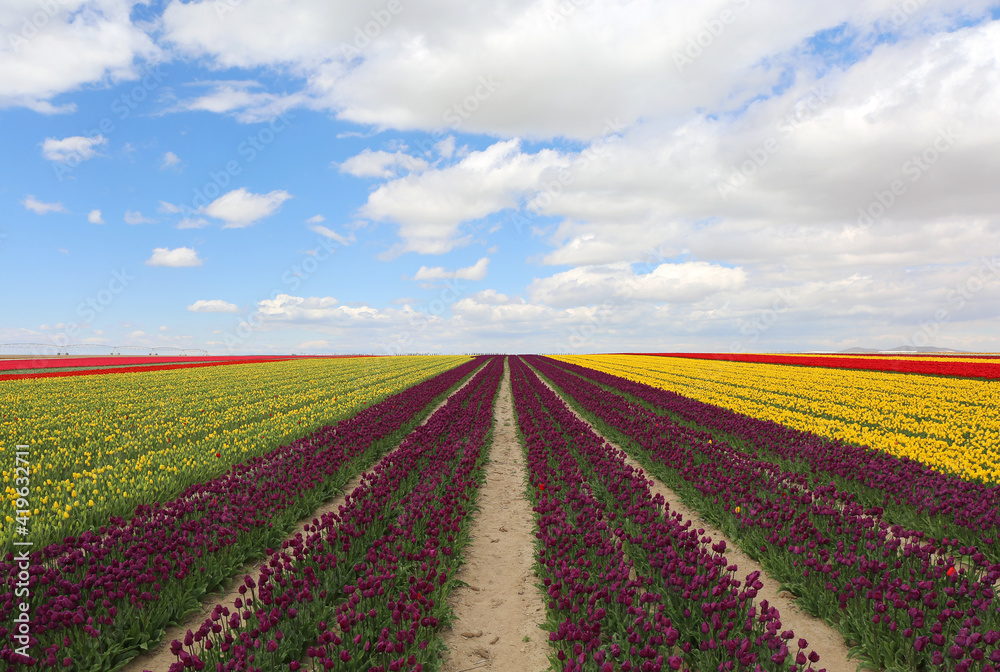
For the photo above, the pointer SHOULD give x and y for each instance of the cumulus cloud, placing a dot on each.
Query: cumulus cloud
(170, 160)
(177, 258)
(382, 164)
(666, 283)
(72, 150)
(135, 217)
(241, 208)
(325, 309)
(40, 207)
(60, 47)
(94, 217)
(192, 223)
(213, 306)
(475, 272)
(430, 208)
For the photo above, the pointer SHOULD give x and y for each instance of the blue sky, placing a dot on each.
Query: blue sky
(242, 177)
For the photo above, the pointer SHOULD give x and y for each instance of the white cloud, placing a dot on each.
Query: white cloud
(382, 164)
(170, 160)
(59, 47)
(243, 99)
(176, 258)
(319, 344)
(330, 233)
(213, 306)
(446, 147)
(475, 272)
(429, 208)
(240, 208)
(72, 150)
(137, 334)
(134, 217)
(316, 219)
(192, 223)
(516, 70)
(40, 208)
(95, 217)
(618, 283)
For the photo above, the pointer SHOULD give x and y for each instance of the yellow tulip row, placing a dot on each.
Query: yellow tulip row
(947, 423)
(101, 445)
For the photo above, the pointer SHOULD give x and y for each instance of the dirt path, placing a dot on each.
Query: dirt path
(497, 615)
(822, 638)
(159, 658)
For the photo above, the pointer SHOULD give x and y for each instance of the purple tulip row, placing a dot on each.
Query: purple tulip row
(909, 492)
(365, 587)
(902, 596)
(631, 587)
(102, 597)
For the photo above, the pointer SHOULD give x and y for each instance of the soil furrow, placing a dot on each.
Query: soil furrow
(498, 612)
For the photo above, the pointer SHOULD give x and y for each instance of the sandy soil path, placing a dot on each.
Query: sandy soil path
(498, 614)
(159, 658)
(822, 638)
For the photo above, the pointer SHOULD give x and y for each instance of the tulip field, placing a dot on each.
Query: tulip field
(870, 494)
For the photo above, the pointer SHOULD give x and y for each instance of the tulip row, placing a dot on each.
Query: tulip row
(14, 365)
(102, 445)
(908, 492)
(365, 588)
(50, 372)
(943, 422)
(904, 599)
(599, 525)
(100, 598)
(977, 367)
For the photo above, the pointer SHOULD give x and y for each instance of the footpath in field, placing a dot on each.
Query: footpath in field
(160, 658)
(823, 639)
(497, 615)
